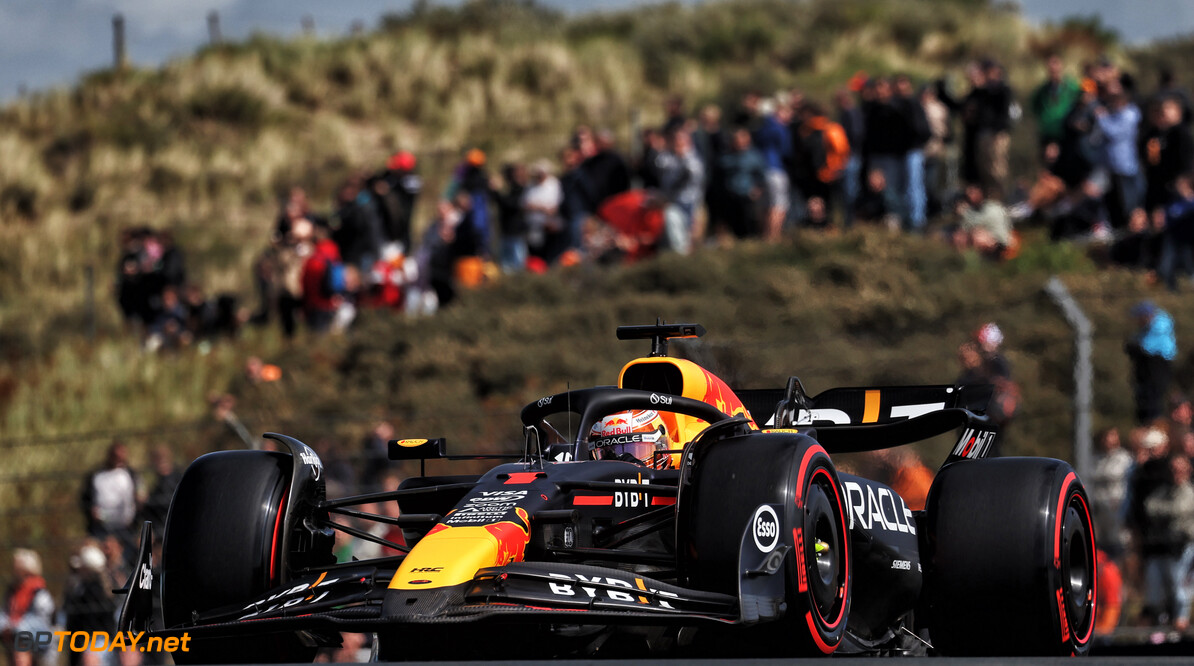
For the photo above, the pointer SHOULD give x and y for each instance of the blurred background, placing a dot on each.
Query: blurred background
(156, 158)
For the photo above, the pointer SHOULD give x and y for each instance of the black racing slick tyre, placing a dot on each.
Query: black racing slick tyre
(1009, 559)
(728, 482)
(222, 546)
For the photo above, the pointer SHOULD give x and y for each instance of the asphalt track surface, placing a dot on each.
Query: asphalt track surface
(843, 661)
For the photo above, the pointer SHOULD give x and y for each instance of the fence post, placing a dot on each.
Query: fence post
(213, 27)
(118, 53)
(1083, 371)
(89, 301)
(636, 129)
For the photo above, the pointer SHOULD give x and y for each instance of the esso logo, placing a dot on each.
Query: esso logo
(765, 527)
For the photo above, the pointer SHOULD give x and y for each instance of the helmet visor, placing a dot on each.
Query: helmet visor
(640, 446)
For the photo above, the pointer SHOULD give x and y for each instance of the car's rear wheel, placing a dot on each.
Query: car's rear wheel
(726, 485)
(1009, 559)
(222, 546)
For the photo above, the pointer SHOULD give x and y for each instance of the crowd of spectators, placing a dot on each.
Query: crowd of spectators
(920, 157)
(1142, 501)
(156, 299)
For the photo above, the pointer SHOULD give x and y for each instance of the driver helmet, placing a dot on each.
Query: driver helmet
(637, 435)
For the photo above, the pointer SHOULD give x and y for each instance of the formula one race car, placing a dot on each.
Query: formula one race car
(677, 516)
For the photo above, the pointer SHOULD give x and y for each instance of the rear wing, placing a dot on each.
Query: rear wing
(852, 420)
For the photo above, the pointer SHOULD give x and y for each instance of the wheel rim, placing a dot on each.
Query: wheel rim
(1077, 573)
(823, 551)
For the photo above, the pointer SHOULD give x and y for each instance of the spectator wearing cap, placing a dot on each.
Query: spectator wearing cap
(1151, 349)
(400, 186)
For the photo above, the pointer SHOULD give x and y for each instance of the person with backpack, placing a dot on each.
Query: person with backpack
(325, 282)
(826, 150)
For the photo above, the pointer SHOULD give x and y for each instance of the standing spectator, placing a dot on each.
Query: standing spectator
(473, 179)
(773, 142)
(1177, 243)
(1167, 150)
(887, 142)
(1151, 350)
(511, 219)
(649, 167)
(1051, 103)
(109, 496)
(1118, 122)
(579, 197)
(607, 169)
(681, 183)
(1167, 87)
(435, 258)
(356, 226)
(403, 186)
(917, 124)
(323, 284)
(87, 603)
(1108, 489)
(850, 117)
(940, 135)
(375, 457)
(286, 272)
(994, 137)
(157, 503)
(1167, 531)
(541, 208)
(826, 149)
(744, 180)
(691, 186)
(974, 109)
(1081, 141)
(673, 110)
(28, 606)
(711, 142)
(467, 246)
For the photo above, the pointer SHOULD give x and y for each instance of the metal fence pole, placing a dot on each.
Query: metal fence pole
(214, 35)
(119, 57)
(1083, 372)
(89, 301)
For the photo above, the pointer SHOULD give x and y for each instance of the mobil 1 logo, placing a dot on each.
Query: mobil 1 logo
(764, 526)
